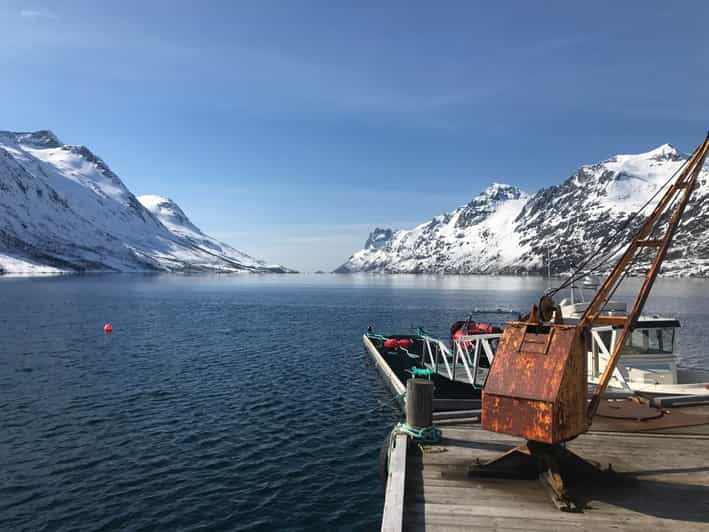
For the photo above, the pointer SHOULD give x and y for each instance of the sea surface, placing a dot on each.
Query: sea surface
(223, 402)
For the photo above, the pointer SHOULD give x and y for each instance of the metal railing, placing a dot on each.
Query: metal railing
(598, 348)
(468, 352)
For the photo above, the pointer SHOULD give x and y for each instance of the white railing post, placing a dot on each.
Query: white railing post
(465, 356)
(455, 359)
(434, 363)
(446, 354)
(487, 347)
(476, 361)
(606, 350)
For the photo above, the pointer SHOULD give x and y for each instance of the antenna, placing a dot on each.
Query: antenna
(548, 269)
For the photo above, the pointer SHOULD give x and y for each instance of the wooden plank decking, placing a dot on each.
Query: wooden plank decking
(393, 517)
(663, 484)
(662, 481)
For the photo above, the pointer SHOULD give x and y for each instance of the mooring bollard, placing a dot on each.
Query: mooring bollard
(419, 402)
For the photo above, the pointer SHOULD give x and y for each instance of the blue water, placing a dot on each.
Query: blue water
(220, 403)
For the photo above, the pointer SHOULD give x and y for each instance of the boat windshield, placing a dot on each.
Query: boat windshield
(655, 340)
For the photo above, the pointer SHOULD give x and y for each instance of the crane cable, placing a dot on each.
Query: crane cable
(578, 273)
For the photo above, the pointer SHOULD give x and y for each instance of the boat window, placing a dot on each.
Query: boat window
(606, 337)
(659, 340)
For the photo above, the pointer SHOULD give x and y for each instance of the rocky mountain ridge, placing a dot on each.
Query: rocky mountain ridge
(504, 230)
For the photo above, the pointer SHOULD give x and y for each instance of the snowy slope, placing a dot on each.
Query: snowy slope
(63, 209)
(476, 237)
(174, 219)
(573, 219)
(512, 235)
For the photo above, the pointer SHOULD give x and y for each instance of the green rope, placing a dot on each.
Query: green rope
(430, 434)
(378, 337)
(421, 372)
(425, 435)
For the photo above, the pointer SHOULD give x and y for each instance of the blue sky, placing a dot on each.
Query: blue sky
(291, 129)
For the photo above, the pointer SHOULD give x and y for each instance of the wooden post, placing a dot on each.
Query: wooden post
(419, 402)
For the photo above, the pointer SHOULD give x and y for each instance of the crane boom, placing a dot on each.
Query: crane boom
(674, 201)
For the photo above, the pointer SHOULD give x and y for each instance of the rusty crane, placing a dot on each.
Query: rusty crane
(537, 385)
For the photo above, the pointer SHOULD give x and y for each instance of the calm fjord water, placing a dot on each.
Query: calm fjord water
(221, 403)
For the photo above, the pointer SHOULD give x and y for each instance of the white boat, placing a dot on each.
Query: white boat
(574, 309)
(648, 363)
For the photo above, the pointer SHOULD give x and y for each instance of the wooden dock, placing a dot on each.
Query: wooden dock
(660, 480)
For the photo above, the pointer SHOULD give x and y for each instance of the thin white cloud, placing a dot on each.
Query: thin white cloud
(36, 13)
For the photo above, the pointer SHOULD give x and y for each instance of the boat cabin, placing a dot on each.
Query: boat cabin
(648, 356)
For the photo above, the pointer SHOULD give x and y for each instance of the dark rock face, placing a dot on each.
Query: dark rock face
(378, 238)
(486, 203)
(39, 139)
(587, 214)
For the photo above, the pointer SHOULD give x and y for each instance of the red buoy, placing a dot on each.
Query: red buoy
(108, 328)
(390, 343)
(405, 343)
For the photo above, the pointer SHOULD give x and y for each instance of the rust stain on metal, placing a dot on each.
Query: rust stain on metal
(536, 387)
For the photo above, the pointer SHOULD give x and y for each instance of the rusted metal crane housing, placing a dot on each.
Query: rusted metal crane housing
(536, 388)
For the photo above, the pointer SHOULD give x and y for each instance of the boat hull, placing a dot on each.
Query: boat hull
(402, 365)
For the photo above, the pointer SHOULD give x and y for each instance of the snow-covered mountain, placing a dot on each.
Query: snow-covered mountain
(475, 237)
(62, 209)
(504, 230)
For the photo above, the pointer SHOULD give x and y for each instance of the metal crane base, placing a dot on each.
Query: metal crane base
(556, 467)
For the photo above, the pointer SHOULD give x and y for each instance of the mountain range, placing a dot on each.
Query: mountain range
(62, 209)
(505, 230)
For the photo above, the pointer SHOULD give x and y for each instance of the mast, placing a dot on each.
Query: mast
(548, 269)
